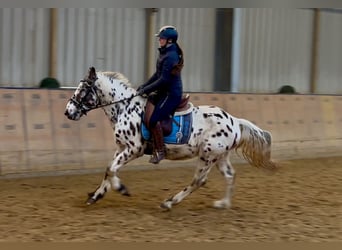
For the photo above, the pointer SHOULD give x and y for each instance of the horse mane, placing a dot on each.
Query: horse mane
(117, 76)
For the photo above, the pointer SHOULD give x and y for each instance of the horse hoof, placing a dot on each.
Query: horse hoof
(221, 204)
(123, 190)
(166, 205)
(90, 201)
(126, 194)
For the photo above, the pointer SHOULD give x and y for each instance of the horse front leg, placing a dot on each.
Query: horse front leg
(111, 179)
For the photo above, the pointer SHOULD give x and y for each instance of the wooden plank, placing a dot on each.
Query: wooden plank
(250, 108)
(92, 139)
(268, 115)
(284, 111)
(232, 104)
(36, 136)
(66, 135)
(329, 116)
(13, 147)
(337, 102)
(37, 119)
(206, 99)
(312, 115)
(300, 117)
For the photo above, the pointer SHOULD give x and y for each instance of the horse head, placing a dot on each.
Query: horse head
(85, 97)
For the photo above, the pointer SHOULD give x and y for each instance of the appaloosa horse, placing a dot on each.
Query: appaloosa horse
(210, 133)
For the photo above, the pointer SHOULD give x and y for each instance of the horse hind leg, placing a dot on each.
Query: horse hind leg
(268, 138)
(227, 170)
(198, 180)
(268, 163)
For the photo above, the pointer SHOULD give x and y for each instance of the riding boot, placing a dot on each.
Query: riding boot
(158, 144)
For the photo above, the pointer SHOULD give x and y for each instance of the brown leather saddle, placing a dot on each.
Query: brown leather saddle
(165, 124)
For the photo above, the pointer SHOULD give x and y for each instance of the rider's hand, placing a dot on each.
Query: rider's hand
(140, 91)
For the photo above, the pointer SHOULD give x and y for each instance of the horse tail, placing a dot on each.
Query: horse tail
(255, 145)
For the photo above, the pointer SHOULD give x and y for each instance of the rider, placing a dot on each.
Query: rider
(166, 83)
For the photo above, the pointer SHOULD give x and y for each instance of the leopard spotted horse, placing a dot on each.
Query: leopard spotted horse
(213, 135)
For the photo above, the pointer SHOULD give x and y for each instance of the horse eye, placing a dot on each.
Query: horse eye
(89, 99)
(80, 95)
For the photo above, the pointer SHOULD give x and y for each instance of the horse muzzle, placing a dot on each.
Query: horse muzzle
(74, 116)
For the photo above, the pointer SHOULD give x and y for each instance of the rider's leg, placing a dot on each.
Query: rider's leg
(158, 144)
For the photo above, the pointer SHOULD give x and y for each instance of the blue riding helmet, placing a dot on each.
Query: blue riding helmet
(168, 32)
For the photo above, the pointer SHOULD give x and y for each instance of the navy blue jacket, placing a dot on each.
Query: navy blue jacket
(166, 85)
(163, 82)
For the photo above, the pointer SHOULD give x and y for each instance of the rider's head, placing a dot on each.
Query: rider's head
(169, 33)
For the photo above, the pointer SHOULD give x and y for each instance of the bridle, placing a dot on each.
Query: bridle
(91, 88)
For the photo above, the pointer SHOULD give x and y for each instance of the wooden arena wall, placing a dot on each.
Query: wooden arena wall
(36, 136)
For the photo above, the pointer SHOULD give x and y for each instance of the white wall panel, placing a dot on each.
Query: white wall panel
(330, 53)
(275, 46)
(275, 49)
(108, 39)
(24, 46)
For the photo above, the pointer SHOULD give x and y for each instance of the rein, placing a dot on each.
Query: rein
(112, 102)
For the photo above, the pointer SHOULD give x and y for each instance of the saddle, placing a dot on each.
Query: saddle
(166, 125)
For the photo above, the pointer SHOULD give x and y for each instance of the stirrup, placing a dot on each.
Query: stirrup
(156, 157)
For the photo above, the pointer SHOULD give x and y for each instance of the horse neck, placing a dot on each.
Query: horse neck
(114, 90)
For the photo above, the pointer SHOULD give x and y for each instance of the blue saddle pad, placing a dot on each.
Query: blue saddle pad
(181, 130)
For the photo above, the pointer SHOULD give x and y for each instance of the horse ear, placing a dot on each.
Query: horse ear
(92, 74)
